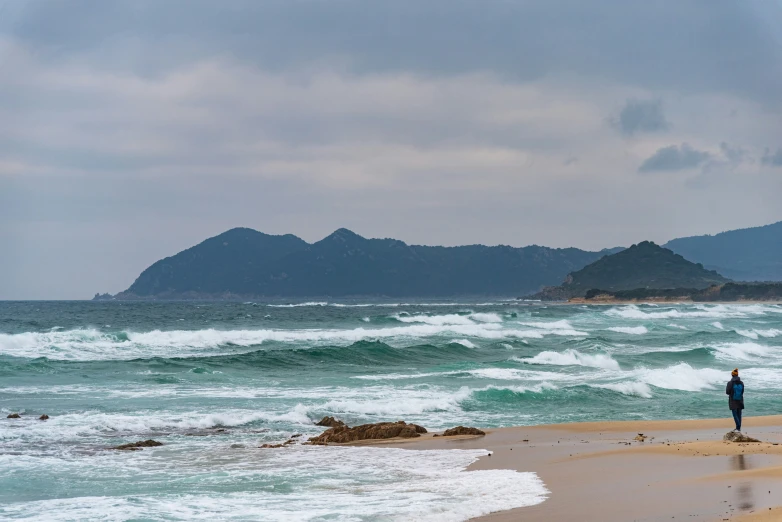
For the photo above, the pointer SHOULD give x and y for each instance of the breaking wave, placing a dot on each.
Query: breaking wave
(630, 330)
(697, 311)
(639, 389)
(573, 358)
(93, 344)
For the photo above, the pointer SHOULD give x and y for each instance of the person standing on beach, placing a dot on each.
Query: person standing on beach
(735, 392)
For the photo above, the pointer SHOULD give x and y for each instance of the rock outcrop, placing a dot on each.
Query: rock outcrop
(737, 436)
(286, 443)
(330, 422)
(377, 431)
(463, 430)
(14, 416)
(136, 446)
(43, 417)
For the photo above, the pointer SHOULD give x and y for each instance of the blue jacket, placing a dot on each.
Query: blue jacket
(732, 403)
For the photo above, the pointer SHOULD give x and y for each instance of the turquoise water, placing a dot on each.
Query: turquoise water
(109, 373)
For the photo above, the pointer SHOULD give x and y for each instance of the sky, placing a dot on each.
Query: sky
(130, 130)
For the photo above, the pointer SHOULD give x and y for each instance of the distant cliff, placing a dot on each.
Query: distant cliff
(642, 266)
(750, 254)
(244, 263)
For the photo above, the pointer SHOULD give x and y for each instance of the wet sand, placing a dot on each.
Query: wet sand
(598, 472)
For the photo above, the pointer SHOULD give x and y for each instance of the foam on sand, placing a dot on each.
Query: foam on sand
(348, 483)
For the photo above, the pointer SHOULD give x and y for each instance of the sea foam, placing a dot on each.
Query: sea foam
(681, 376)
(91, 344)
(698, 311)
(639, 389)
(349, 484)
(573, 358)
(631, 330)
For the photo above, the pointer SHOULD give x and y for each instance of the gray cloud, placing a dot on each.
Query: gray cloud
(640, 116)
(132, 129)
(629, 41)
(772, 159)
(735, 154)
(673, 158)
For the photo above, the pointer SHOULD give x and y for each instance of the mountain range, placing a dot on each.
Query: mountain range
(750, 254)
(244, 263)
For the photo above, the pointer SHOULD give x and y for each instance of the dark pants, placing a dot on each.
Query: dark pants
(737, 417)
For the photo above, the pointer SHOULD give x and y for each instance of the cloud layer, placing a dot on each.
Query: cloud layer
(131, 130)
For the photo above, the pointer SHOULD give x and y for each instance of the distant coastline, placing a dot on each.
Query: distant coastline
(614, 301)
(725, 293)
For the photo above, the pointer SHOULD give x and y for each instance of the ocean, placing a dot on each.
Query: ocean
(213, 381)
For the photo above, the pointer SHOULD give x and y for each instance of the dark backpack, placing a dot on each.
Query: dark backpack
(738, 391)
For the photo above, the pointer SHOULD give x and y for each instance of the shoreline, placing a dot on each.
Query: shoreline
(597, 471)
(581, 300)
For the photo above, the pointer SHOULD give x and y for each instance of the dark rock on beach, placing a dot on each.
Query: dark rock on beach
(330, 422)
(377, 431)
(207, 432)
(14, 416)
(43, 417)
(735, 436)
(284, 444)
(135, 446)
(463, 430)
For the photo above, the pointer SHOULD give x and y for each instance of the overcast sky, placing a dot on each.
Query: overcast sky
(132, 130)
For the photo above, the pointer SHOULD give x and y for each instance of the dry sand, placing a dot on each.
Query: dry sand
(598, 472)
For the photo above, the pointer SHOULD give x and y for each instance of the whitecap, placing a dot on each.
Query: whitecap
(90, 344)
(555, 328)
(394, 406)
(630, 330)
(638, 389)
(756, 334)
(573, 358)
(699, 311)
(740, 351)
(681, 376)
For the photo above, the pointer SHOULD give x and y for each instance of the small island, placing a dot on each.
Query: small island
(647, 272)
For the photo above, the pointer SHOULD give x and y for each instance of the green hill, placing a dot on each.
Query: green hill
(244, 263)
(750, 254)
(645, 265)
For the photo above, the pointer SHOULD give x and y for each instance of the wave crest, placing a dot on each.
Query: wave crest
(572, 358)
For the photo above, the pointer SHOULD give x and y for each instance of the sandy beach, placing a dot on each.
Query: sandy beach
(598, 471)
